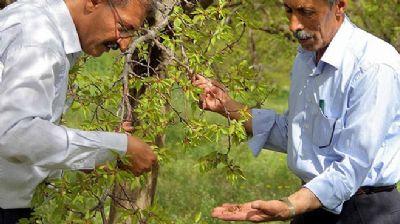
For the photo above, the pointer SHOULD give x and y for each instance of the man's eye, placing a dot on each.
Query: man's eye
(120, 28)
(288, 10)
(307, 12)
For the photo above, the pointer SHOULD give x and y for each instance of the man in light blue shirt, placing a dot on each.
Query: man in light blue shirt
(342, 129)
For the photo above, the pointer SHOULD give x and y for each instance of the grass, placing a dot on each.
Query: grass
(184, 192)
(186, 195)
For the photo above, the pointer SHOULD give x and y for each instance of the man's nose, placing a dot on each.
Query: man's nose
(124, 43)
(295, 23)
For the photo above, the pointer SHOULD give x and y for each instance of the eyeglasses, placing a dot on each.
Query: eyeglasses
(124, 32)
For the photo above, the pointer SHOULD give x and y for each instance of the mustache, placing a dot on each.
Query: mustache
(302, 35)
(113, 46)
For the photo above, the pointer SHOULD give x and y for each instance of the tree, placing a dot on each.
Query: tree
(4, 3)
(244, 44)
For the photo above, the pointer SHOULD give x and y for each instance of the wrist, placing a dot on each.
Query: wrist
(231, 108)
(291, 209)
(304, 200)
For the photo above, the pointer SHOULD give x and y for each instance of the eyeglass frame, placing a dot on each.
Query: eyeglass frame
(118, 19)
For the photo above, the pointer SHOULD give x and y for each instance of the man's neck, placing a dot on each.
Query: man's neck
(320, 52)
(73, 7)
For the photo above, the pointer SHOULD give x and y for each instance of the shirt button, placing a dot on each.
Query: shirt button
(306, 126)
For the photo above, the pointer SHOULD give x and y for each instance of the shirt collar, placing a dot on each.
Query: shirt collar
(334, 53)
(65, 25)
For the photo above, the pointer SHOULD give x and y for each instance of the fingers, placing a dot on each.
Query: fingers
(202, 101)
(209, 85)
(198, 77)
(223, 214)
(268, 207)
(231, 208)
(141, 156)
(127, 126)
(141, 168)
(219, 85)
(259, 205)
(235, 212)
(208, 101)
(204, 83)
(217, 211)
(213, 96)
(229, 205)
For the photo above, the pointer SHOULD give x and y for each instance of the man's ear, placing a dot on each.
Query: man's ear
(341, 6)
(91, 5)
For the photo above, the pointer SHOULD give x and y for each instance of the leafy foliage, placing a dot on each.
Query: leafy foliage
(243, 44)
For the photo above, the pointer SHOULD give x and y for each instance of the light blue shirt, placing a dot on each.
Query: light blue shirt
(342, 128)
(38, 45)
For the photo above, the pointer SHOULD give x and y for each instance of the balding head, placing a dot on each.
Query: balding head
(102, 24)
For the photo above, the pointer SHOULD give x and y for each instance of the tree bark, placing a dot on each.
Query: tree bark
(4, 3)
(142, 197)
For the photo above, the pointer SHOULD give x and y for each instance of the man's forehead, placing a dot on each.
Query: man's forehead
(144, 4)
(304, 3)
(136, 4)
(134, 10)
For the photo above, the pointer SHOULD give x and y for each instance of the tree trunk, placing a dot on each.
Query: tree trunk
(142, 197)
(4, 3)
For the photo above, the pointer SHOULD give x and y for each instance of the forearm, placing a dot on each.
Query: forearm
(57, 147)
(304, 200)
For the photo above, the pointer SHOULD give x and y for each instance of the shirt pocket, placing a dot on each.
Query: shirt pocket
(323, 129)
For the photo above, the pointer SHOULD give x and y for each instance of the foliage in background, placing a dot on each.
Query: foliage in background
(243, 44)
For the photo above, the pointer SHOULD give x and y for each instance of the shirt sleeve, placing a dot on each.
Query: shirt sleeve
(27, 134)
(269, 131)
(373, 104)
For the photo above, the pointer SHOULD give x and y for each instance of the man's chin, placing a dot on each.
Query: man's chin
(312, 45)
(309, 47)
(95, 52)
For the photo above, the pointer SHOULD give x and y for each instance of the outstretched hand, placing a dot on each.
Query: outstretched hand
(256, 211)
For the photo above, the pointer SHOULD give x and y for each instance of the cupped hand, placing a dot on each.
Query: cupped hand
(256, 211)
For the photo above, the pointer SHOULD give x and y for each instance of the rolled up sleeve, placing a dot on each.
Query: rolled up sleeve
(373, 104)
(269, 131)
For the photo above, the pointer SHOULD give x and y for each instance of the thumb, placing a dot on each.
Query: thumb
(259, 205)
(218, 85)
(127, 126)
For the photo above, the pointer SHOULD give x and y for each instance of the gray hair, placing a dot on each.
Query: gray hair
(147, 3)
(332, 2)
